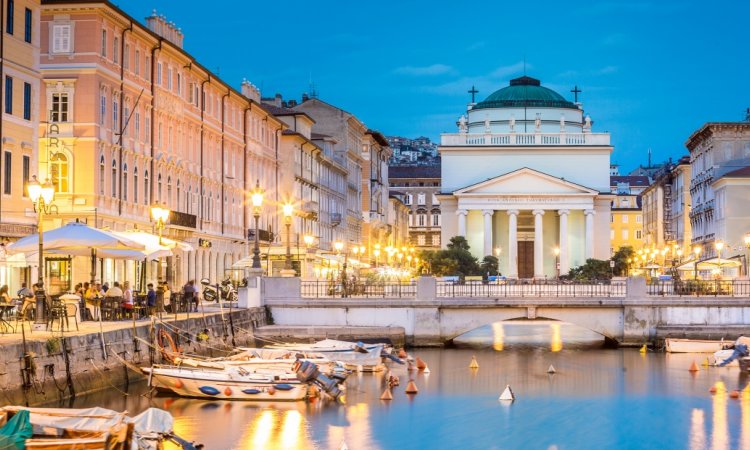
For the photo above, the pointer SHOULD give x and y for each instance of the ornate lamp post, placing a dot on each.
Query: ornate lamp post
(257, 199)
(697, 253)
(308, 239)
(719, 247)
(288, 210)
(376, 254)
(747, 245)
(41, 196)
(556, 251)
(160, 215)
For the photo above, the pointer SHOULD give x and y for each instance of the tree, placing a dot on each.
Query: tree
(593, 269)
(455, 260)
(489, 266)
(621, 257)
(458, 243)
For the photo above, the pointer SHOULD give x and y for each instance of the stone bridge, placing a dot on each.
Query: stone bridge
(427, 319)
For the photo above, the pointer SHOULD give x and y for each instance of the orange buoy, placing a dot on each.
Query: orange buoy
(402, 354)
(474, 364)
(421, 365)
(734, 394)
(712, 389)
(228, 391)
(411, 388)
(386, 395)
(179, 384)
(271, 390)
(694, 367)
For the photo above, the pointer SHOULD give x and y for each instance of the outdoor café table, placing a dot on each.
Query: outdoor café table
(73, 299)
(5, 313)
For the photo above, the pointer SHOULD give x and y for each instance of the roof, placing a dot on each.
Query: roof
(739, 173)
(632, 180)
(414, 172)
(378, 136)
(281, 111)
(525, 92)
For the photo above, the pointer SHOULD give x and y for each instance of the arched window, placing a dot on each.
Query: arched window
(178, 200)
(114, 178)
(158, 188)
(169, 190)
(135, 184)
(59, 172)
(146, 188)
(125, 182)
(101, 175)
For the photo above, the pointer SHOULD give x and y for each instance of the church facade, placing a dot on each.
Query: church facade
(527, 180)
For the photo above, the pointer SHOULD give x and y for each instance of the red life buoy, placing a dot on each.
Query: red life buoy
(167, 347)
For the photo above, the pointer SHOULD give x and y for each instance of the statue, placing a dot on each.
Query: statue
(562, 123)
(587, 124)
(463, 124)
(538, 123)
(487, 125)
(512, 123)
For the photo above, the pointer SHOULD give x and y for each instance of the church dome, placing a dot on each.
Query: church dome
(525, 92)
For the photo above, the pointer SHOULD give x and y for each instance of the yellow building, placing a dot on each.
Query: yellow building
(19, 60)
(626, 221)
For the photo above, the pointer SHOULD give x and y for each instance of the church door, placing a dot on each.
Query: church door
(525, 259)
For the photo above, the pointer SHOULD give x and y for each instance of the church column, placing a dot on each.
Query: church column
(538, 244)
(512, 243)
(564, 257)
(488, 231)
(461, 213)
(589, 233)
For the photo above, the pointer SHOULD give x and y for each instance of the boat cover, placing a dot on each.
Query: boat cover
(153, 421)
(14, 434)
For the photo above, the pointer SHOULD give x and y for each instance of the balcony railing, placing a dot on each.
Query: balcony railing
(513, 288)
(502, 139)
(335, 289)
(701, 288)
(182, 219)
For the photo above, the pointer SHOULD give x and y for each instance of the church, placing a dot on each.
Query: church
(526, 179)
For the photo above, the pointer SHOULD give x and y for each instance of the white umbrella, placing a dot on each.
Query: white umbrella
(74, 236)
(154, 247)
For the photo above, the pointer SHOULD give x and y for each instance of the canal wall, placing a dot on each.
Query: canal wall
(73, 363)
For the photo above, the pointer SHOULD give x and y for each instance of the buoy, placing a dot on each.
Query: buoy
(386, 395)
(712, 389)
(343, 446)
(421, 365)
(179, 384)
(507, 395)
(693, 367)
(411, 388)
(426, 370)
(734, 394)
(271, 390)
(228, 391)
(644, 349)
(402, 353)
(551, 369)
(705, 363)
(474, 364)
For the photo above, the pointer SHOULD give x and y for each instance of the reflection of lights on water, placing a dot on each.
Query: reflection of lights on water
(291, 429)
(556, 343)
(262, 428)
(745, 406)
(498, 336)
(697, 430)
(720, 433)
(358, 433)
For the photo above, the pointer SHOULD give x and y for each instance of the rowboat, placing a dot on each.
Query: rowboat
(354, 355)
(694, 345)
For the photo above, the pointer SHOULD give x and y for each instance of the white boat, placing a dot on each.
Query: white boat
(365, 357)
(694, 345)
(722, 355)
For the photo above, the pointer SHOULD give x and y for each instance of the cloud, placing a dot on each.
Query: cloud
(486, 83)
(606, 70)
(476, 46)
(435, 69)
(512, 69)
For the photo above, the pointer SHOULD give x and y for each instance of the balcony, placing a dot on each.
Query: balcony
(263, 235)
(516, 139)
(310, 209)
(181, 219)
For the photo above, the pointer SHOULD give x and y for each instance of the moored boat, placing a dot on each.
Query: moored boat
(674, 345)
(355, 355)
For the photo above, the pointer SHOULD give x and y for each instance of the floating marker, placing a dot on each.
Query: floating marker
(228, 391)
(209, 390)
(411, 388)
(402, 354)
(271, 390)
(734, 394)
(507, 395)
(343, 446)
(386, 395)
(644, 349)
(421, 365)
(474, 364)
(179, 384)
(693, 367)
(712, 389)
(284, 387)
(705, 363)
(426, 370)
(251, 391)
(551, 369)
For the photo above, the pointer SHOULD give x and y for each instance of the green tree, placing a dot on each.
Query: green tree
(455, 260)
(489, 266)
(593, 269)
(621, 257)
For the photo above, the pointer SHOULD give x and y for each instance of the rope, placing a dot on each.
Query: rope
(179, 331)
(107, 378)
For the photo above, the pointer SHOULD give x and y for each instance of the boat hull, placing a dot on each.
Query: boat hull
(693, 345)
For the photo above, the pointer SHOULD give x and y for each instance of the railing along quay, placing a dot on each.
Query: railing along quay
(700, 288)
(327, 289)
(604, 288)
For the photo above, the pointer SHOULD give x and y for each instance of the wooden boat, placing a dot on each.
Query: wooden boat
(354, 355)
(694, 345)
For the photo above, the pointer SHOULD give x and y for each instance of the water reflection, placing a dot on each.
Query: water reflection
(697, 430)
(719, 434)
(530, 333)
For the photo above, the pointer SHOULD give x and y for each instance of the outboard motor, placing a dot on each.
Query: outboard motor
(308, 372)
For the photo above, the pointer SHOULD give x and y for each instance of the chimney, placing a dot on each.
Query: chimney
(250, 91)
(292, 103)
(305, 97)
(168, 30)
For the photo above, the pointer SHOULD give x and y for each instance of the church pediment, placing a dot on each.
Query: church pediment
(525, 181)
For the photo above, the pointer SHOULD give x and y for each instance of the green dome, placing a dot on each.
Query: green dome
(525, 92)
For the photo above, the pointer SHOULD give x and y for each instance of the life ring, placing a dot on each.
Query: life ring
(167, 347)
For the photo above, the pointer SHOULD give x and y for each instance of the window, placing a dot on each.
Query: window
(125, 182)
(158, 73)
(137, 63)
(125, 114)
(169, 191)
(102, 109)
(147, 68)
(147, 128)
(113, 182)
(9, 17)
(7, 172)
(624, 218)
(611, 218)
(28, 24)
(158, 188)
(146, 188)
(169, 78)
(8, 95)
(126, 57)
(116, 50)
(191, 93)
(420, 240)
(61, 38)
(179, 84)
(137, 125)
(27, 101)
(421, 199)
(625, 235)
(104, 43)
(26, 170)
(435, 219)
(436, 240)
(177, 201)
(408, 199)
(101, 175)
(611, 234)
(114, 113)
(59, 111)
(638, 234)
(421, 219)
(638, 218)
(135, 185)
(435, 200)
(59, 171)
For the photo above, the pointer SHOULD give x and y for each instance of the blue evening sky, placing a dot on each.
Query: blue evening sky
(652, 72)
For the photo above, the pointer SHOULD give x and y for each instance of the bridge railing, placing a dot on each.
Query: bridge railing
(328, 289)
(700, 288)
(553, 288)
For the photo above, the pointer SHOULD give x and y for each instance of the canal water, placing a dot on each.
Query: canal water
(598, 399)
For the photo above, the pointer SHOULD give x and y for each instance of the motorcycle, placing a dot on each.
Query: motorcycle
(227, 291)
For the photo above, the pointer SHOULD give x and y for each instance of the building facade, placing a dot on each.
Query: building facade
(140, 122)
(627, 216)
(19, 99)
(420, 186)
(512, 180)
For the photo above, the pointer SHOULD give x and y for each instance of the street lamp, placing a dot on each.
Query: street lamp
(308, 240)
(288, 211)
(747, 245)
(697, 252)
(41, 196)
(376, 254)
(556, 251)
(257, 200)
(160, 215)
(719, 246)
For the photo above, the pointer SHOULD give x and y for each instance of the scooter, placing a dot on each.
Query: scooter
(227, 291)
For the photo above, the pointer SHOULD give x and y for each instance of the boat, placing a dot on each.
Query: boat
(89, 428)
(733, 353)
(722, 355)
(674, 345)
(354, 355)
(227, 382)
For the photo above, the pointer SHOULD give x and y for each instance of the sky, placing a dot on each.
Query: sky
(651, 73)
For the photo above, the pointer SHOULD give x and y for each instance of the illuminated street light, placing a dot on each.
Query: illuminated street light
(257, 200)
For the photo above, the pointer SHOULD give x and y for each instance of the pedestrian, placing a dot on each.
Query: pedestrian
(167, 297)
(151, 299)
(190, 296)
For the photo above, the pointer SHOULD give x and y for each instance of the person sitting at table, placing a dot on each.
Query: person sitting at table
(27, 296)
(127, 297)
(166, 297)
(5, 299)
(151, 299)
(114, 291)
(93, 302)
